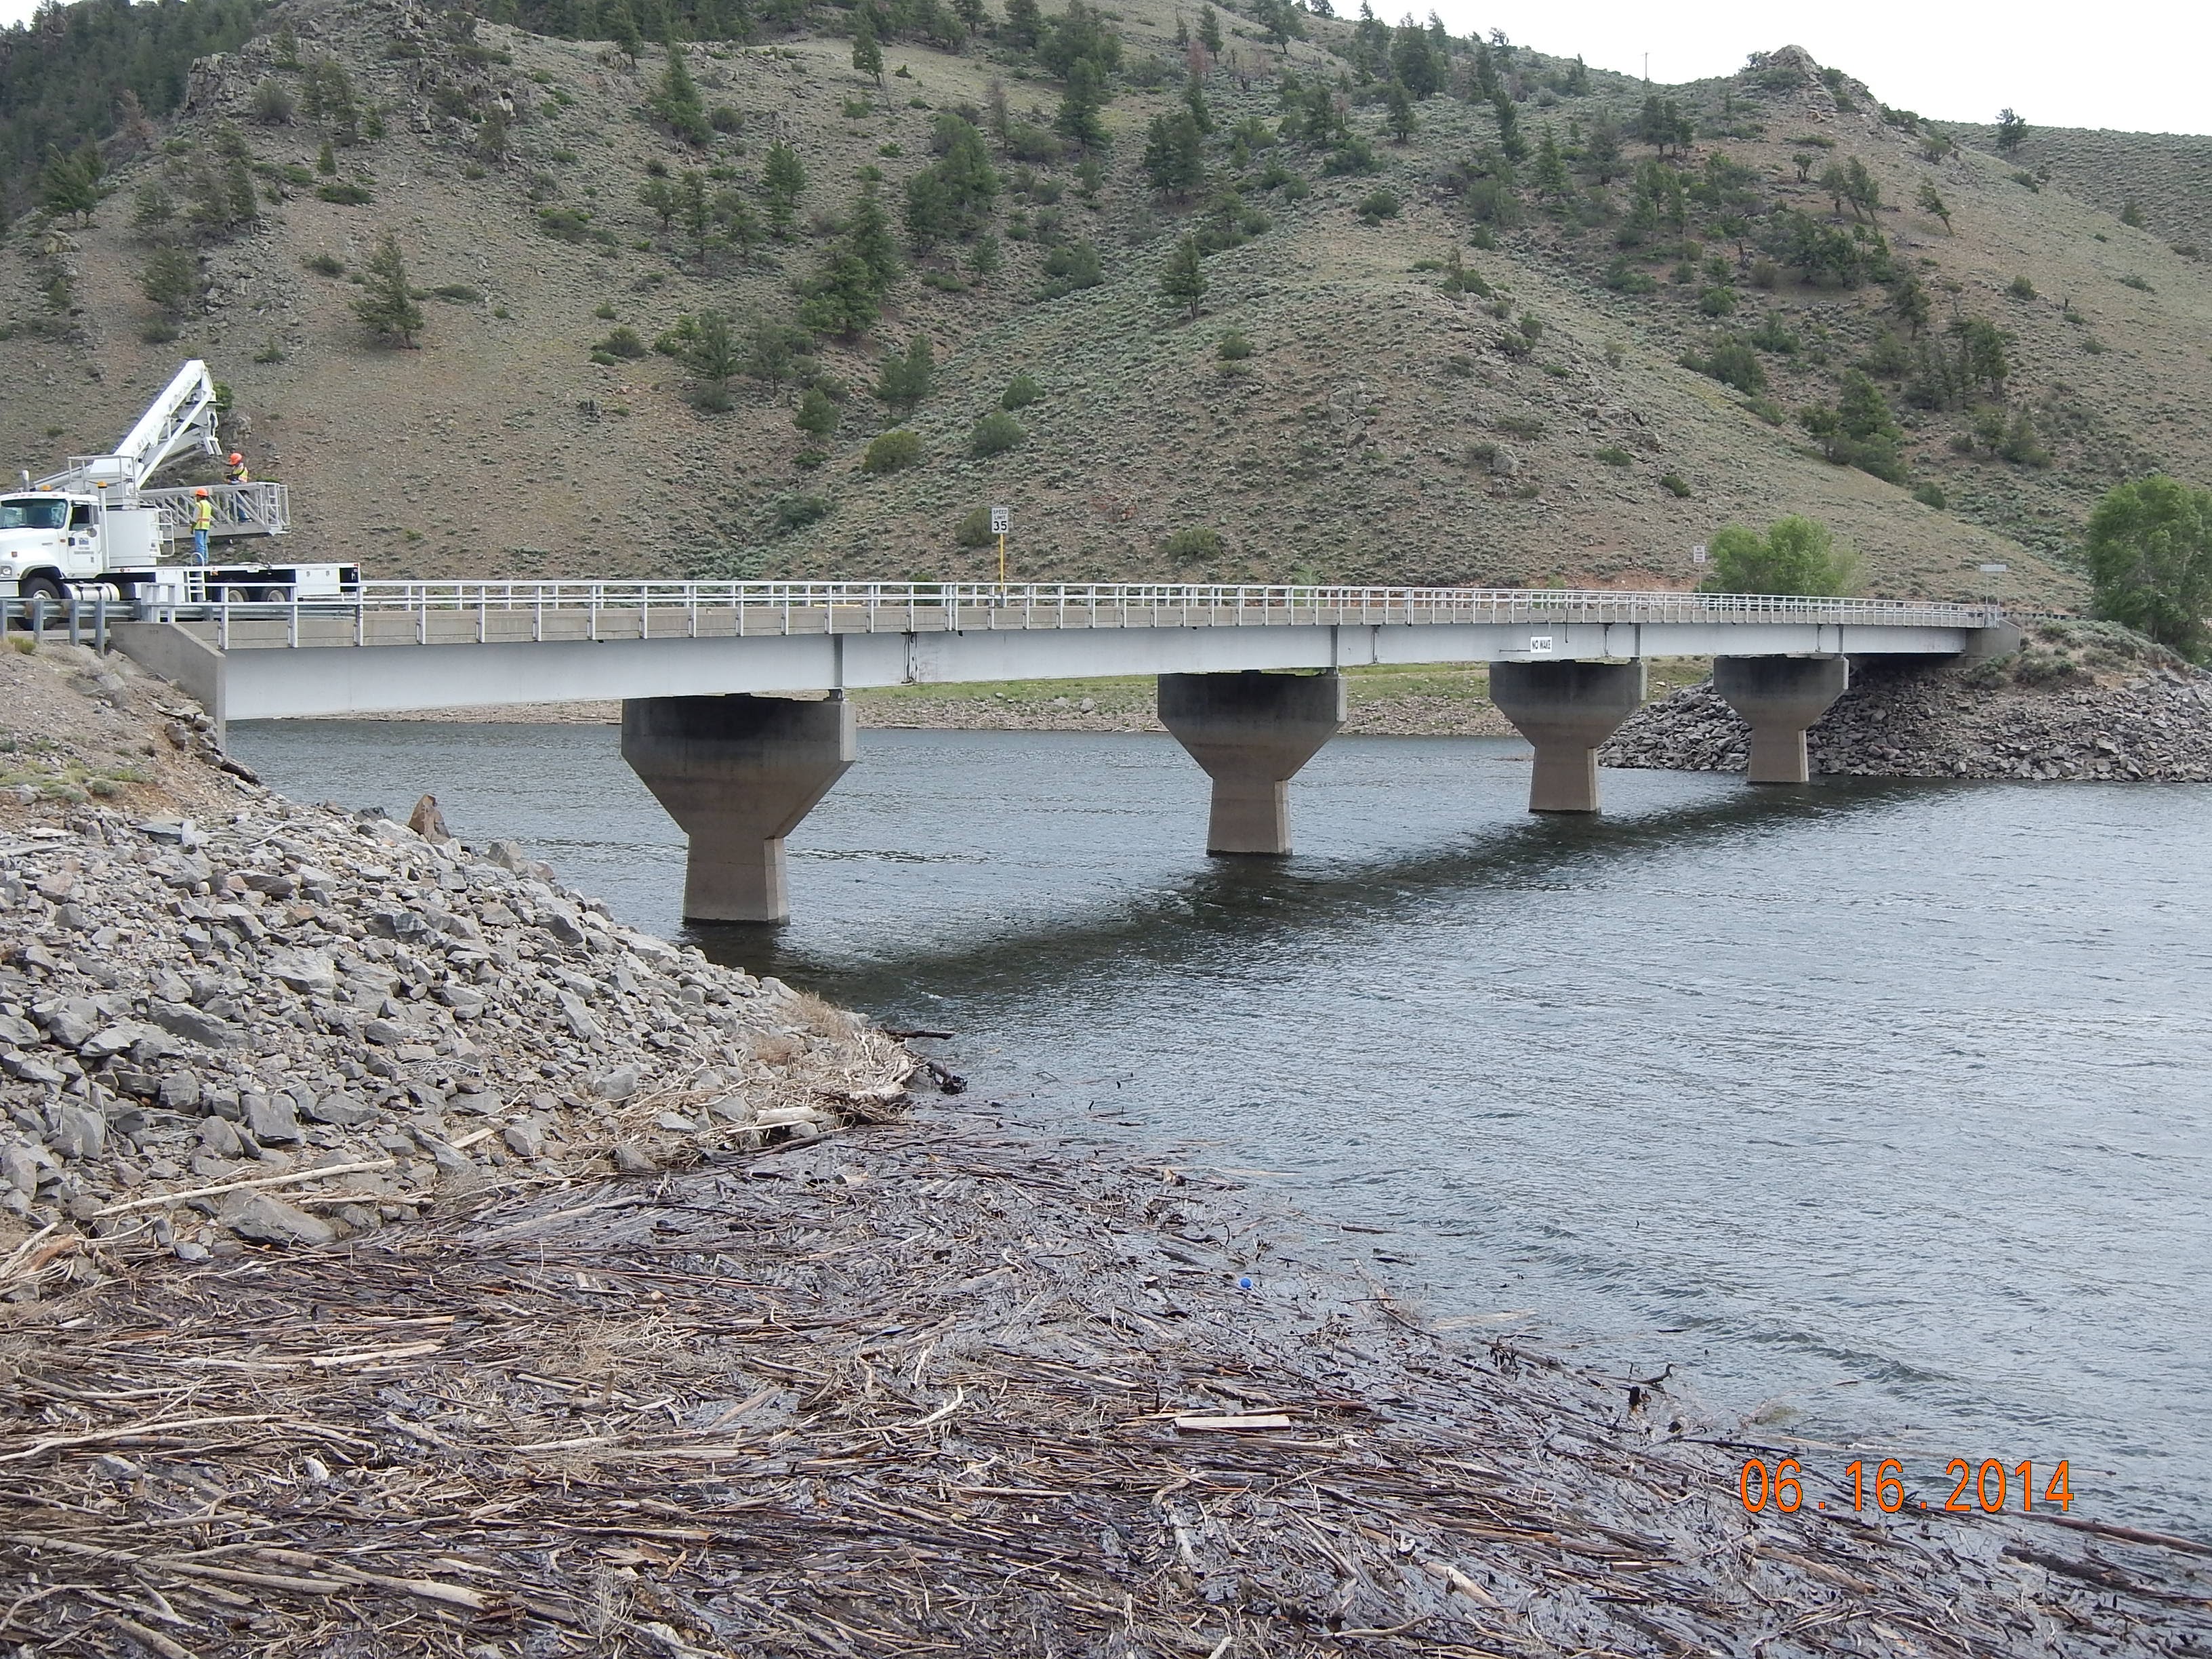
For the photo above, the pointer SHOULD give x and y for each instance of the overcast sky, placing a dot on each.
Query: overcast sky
(2135, 64)
(2138, 65)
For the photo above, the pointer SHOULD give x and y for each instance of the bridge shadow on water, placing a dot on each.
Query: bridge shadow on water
(1243, 903)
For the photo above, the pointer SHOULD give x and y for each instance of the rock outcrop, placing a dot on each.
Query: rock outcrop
(2081, 702)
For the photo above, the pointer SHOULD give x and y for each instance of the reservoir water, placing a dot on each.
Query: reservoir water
(1881, 1111)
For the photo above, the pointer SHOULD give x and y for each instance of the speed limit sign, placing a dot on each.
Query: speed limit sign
(1001, 520)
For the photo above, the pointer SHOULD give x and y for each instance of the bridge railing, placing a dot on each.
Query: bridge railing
(461, 612)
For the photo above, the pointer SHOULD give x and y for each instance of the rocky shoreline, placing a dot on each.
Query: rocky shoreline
(2079, 701)
(233, 1018)
(399, 1255)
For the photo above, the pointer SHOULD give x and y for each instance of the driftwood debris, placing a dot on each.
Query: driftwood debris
(915, 1389)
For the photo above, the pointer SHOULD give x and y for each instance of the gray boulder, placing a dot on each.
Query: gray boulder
(260, 1219)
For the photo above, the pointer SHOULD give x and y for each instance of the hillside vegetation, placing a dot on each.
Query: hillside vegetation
(1332, 301)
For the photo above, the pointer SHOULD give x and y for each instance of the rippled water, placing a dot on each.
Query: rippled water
(1879, 1108)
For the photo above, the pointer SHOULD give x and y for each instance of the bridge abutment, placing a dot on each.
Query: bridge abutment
(1251, 732)
(1565, 709)
(738, 774)
(1779, 698)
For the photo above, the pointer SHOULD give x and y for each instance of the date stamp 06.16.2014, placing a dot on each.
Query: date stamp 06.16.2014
(1987, 1487)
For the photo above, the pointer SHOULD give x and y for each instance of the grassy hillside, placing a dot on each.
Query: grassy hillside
(1531, 421)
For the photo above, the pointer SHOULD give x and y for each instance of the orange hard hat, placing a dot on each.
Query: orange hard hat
(200, 492)
(235, 458)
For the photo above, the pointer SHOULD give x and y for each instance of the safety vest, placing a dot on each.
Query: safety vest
(237, 474)
(202, 514)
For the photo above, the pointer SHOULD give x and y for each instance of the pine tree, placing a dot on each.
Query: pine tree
(677, 102)
(243, 200)
(783, 179)
(692, 203)
(172, 279)
(387, 304)
(1510, 143)
(70, 184)
(1931, 202)
(868, 238)
(1079, 106)
(1183, 279)
(771, 349)
(867, 56)
(840, 299)
(1193, 99)
(906, 380)
(1400, 119)
(713, 359)
(658, 196)
(1024, 24)
(1209, 30)
(622, 28)
(816, 416)
(1551, 172)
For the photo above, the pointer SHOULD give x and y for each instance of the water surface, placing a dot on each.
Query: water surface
(1877, 1110)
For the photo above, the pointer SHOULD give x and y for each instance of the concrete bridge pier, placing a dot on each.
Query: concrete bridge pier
(1251, 732)
(1779, 698)
(738, 773)
(1566, 709)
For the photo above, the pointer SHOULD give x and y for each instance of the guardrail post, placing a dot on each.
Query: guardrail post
(292, 619)
(100, 622)
(69, 604)
(222, 618)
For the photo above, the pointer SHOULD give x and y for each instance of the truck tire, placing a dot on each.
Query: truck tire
(49, 587)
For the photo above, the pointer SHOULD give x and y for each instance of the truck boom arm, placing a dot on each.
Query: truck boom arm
(181, 418)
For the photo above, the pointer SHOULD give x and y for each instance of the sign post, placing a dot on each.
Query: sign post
(1001, 517)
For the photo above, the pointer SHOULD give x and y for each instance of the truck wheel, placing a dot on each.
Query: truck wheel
(36, 588)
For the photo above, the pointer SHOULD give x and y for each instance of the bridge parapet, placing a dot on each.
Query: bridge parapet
(482, 612)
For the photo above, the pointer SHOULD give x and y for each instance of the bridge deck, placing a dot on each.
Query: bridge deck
(397, 646)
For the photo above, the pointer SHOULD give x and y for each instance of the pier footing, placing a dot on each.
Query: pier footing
(1566, 709)
(1779, 698)
(1251, 732)
(738, 773)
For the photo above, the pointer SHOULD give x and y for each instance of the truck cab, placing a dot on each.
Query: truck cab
(48, 539)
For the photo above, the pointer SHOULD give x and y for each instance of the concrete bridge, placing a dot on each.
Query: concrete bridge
(734, 716)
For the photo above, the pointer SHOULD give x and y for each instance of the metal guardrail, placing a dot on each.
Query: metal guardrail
(486, 611)
(83, 621)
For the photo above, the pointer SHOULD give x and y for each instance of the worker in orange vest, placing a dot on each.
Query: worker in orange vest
(236, 472)
(202, 521)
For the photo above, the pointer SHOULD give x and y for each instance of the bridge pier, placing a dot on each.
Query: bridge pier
(738, 774)
(1251, 732)
(1566, 709)
(1779, 698)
